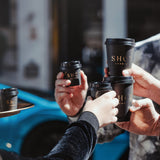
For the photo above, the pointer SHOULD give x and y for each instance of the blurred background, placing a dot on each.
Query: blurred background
(37, 35)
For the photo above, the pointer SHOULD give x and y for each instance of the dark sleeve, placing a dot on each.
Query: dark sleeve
(79, 139)
(6, 155)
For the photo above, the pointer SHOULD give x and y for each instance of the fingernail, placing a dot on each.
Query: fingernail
(116, 101)
(68, 81)
(89, 98)
(113, 93)
(126, 73)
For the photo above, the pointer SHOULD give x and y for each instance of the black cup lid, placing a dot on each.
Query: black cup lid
(94, 84)
(119, 79)
(70, 65)
(101, 85)
(9, 91)
(105, 85)
(120, 41)
(106, 79)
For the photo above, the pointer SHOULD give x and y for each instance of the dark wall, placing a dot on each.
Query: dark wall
(75, 18)
(4, 13)
(143, 18)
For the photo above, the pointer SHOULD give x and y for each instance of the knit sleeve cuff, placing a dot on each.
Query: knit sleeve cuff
(90, 118)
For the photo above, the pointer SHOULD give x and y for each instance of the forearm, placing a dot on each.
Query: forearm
(154, 91)
(79, 139)
(156, 129)
(77, 143)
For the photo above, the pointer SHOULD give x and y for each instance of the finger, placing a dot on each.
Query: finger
(106, 72)
(114, 119)
(126, 73)
(134, 71)
(123, 125)
(63, 89)
(61, 95)
(83, 79)
(62, 82)
(138, 104)
(60, 75)
(110, 94)
(89, 98)
(130, 72)
(115, 102)
(133, 108)
(115, 111)
(143, 102)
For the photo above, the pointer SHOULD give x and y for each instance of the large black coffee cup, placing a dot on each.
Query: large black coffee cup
(9, 99)
(120, 53)
(99, 88)
(71, 71)
(123, 87)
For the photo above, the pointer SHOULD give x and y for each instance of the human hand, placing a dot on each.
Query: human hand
(70, 98)
(145, 84)
(103, 107)
(144, 119)
(106, 72)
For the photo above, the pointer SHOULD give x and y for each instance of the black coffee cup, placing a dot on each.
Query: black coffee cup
(9, 99)
(99, 88)
(93, 86)
(123, 87)
(120, 53)
(71, 71)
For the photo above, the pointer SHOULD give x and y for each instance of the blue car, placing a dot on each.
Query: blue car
(34, 131)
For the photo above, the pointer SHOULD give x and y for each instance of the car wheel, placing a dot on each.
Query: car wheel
(43, 138)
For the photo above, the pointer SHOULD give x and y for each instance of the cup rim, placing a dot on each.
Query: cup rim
(70, 65)
(120, 41)
(119, 79)
(9, 91)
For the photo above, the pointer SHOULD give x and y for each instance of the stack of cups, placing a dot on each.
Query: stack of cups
(120, 54)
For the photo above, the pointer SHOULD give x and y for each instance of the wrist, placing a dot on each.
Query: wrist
(90, 118)
(155, 92)
(157, 127)
(75, 117)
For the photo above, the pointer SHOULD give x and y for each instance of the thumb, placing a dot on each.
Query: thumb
(89, 99)
(123, 125)
(83, 79)
(136, 105)
(126, 72)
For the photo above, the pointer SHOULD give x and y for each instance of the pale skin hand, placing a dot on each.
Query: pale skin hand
(104, 107)
(70, 99)
(145, 84)
(144, 119)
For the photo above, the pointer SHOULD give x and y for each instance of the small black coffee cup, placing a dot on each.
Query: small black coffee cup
(93, 86)
(99, 88)
(71, 71)
(123, 87)
(9, 99)
(120, 53)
